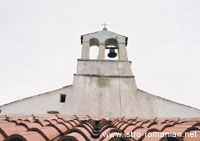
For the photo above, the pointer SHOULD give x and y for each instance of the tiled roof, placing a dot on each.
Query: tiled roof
(96, 128)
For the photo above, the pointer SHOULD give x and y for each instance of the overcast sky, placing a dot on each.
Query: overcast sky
(40, 42)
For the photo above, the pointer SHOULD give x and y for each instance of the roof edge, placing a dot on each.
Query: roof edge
(107, 31)
(168, 99)
(34, 96)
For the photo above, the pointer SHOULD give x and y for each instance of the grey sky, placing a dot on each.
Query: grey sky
(40, 42)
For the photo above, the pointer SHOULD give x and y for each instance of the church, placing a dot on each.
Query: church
(102, 104)
(104, 87)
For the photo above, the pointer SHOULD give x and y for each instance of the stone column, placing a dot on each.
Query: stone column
(101, 55)
(122, 52)
(85, 51)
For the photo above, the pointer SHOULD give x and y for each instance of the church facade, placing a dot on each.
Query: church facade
(101, 87)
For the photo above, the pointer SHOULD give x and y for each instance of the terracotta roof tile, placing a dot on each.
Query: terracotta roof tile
(2, 137)
(149, 124)
(4, 124)
(107, 132)
(19, 121)
(13, 117)
(67, 117)
(146, 119)
(42, 116)
(66, 124)
(85, 128)
(10, 130)
(59, 120)
(73, 123)
(105, 127)
(82, 131)
(197, 124)
(48, 132)
(73, 136)
(153, 139)
(181, 129)
(192, 136)
(27, 136)
(142, 131)
(131, 128)
(42, 122)
(31, 125)
(109, 138)
(60, 127)
(124, 126)
(197, 127)
(160, 127)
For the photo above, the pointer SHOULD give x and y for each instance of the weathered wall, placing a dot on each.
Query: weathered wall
(38, 104)
(105, 88)
(151, 105)
(106, 67)
(102, 95)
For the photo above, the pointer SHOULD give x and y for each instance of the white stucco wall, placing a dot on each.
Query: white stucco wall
(106, 96)
(105, 88)
(106, 67)
(38, 104)
(151, 105)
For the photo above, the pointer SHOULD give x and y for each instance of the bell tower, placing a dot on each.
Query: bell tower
(103, 86)
(105, 40)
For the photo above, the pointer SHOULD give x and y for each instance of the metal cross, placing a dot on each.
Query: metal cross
(104, 25)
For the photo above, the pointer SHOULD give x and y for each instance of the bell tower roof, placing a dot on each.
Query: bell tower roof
(104, 35)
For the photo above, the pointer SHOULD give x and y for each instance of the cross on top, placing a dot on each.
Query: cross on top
(104, 26)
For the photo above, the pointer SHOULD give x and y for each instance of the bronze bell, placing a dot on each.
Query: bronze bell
(112, 53)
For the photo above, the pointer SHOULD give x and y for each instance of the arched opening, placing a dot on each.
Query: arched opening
(111, 44)
(94, 48)
(93, 42)
(94, 52)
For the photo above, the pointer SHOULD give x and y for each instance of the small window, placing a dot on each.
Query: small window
(62, 98)
(52, 112)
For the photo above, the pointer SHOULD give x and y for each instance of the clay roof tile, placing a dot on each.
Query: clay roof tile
(73, 136)
(61, 127)
(2, 137)
(48, 132)
(10, 130)
(141, 132)
(192, 136)
(27, 136)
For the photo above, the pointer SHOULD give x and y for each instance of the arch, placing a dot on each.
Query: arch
(94, 48)
(111, 42)
(93, 42)
(94, 52)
